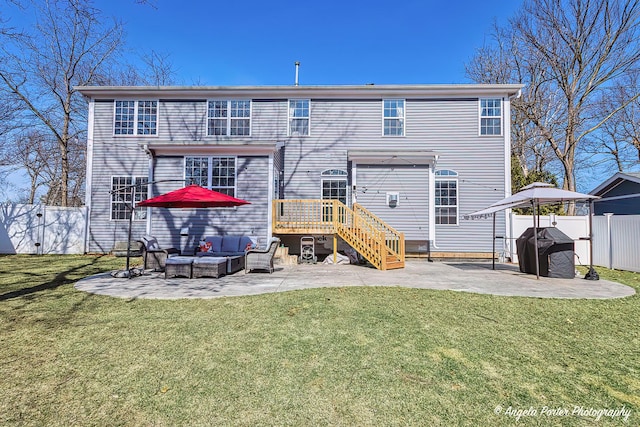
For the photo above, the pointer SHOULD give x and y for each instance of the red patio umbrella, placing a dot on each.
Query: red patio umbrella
(193, 196)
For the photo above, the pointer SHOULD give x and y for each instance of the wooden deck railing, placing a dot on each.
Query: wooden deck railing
(376, 241)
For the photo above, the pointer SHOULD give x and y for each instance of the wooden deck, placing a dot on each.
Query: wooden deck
(376, 241)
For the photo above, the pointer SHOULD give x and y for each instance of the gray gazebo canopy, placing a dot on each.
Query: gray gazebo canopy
(534, 195)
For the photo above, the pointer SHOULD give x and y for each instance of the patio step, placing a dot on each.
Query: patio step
(394, 263)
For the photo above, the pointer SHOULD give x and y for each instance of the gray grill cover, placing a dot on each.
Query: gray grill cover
(555, 249)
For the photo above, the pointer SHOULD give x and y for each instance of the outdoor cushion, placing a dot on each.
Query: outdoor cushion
(216, 243)
(245, 243)
(230, 244)
(227, 246)
(151, 243)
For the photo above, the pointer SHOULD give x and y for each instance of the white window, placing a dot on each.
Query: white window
(299, 117)
(393, 117)
(446, 202)
(123, 188)
(491, 116)
(135, 118)
(229, 118)
(215, 173)
(334, 185)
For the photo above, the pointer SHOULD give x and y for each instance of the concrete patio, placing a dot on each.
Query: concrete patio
(475, 277)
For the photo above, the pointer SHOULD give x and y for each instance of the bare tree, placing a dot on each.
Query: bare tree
(32, 152)
(619, 138)
(572, 52)
(68, 47)
(502, 63)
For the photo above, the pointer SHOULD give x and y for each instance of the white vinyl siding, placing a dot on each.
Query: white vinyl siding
(491, 116)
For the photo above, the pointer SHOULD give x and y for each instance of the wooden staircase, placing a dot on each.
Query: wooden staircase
(376, 241)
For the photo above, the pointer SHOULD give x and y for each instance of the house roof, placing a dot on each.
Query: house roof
(337, 91)
(614, 181)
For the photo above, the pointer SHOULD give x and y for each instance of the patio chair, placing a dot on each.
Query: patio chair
(261, 259)
(154, 257)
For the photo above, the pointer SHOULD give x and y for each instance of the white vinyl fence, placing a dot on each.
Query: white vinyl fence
(39, 229)
(618, 241)
(616, 238)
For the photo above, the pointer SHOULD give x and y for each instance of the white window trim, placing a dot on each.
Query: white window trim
(404, 118)
(135, 119)
(289, 116)
(457, 205)
(111, 201)
(480, 117)
(210, 171)
(229, 118)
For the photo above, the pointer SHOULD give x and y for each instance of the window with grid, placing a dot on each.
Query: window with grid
(491, 116)
(446, 200)
(147, 117)
(299, 117)
(334, 185)
(122, 191)
(393, 121)
(124, 117)
(215, 173)
(229, 118)
(135, 118)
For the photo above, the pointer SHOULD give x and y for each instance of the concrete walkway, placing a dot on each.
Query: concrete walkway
(476, 277)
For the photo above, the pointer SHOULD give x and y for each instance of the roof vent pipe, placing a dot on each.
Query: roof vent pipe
(297, 68)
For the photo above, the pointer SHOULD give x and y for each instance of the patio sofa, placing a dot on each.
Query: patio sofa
(224, 246)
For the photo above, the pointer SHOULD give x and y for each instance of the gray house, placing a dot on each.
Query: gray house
(408, 160)
(620, 195)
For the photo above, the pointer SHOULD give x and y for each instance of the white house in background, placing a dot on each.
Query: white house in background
(418, 157)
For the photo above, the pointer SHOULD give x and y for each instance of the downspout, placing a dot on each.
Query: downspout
(149, 154)
(508, 241)
(432, 203)
(270, 192)
(89, 175)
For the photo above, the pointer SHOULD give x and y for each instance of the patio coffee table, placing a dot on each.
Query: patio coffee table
(208, 266)
(178, 266)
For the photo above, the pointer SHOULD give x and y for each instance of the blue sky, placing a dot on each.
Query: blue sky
(337, 42)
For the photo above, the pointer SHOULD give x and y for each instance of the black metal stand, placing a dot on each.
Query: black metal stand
(591, 274)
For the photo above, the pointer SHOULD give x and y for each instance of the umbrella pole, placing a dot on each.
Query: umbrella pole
(131, 211)
(535, 239)
(591, 274)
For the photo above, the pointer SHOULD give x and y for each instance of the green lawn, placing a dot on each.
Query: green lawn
(338, 356)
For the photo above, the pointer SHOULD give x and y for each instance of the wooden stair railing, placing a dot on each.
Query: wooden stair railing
(376, 241)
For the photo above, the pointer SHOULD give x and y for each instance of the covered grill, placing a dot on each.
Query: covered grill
(555, 253)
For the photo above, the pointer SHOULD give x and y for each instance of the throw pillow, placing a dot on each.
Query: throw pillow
(205, 246)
